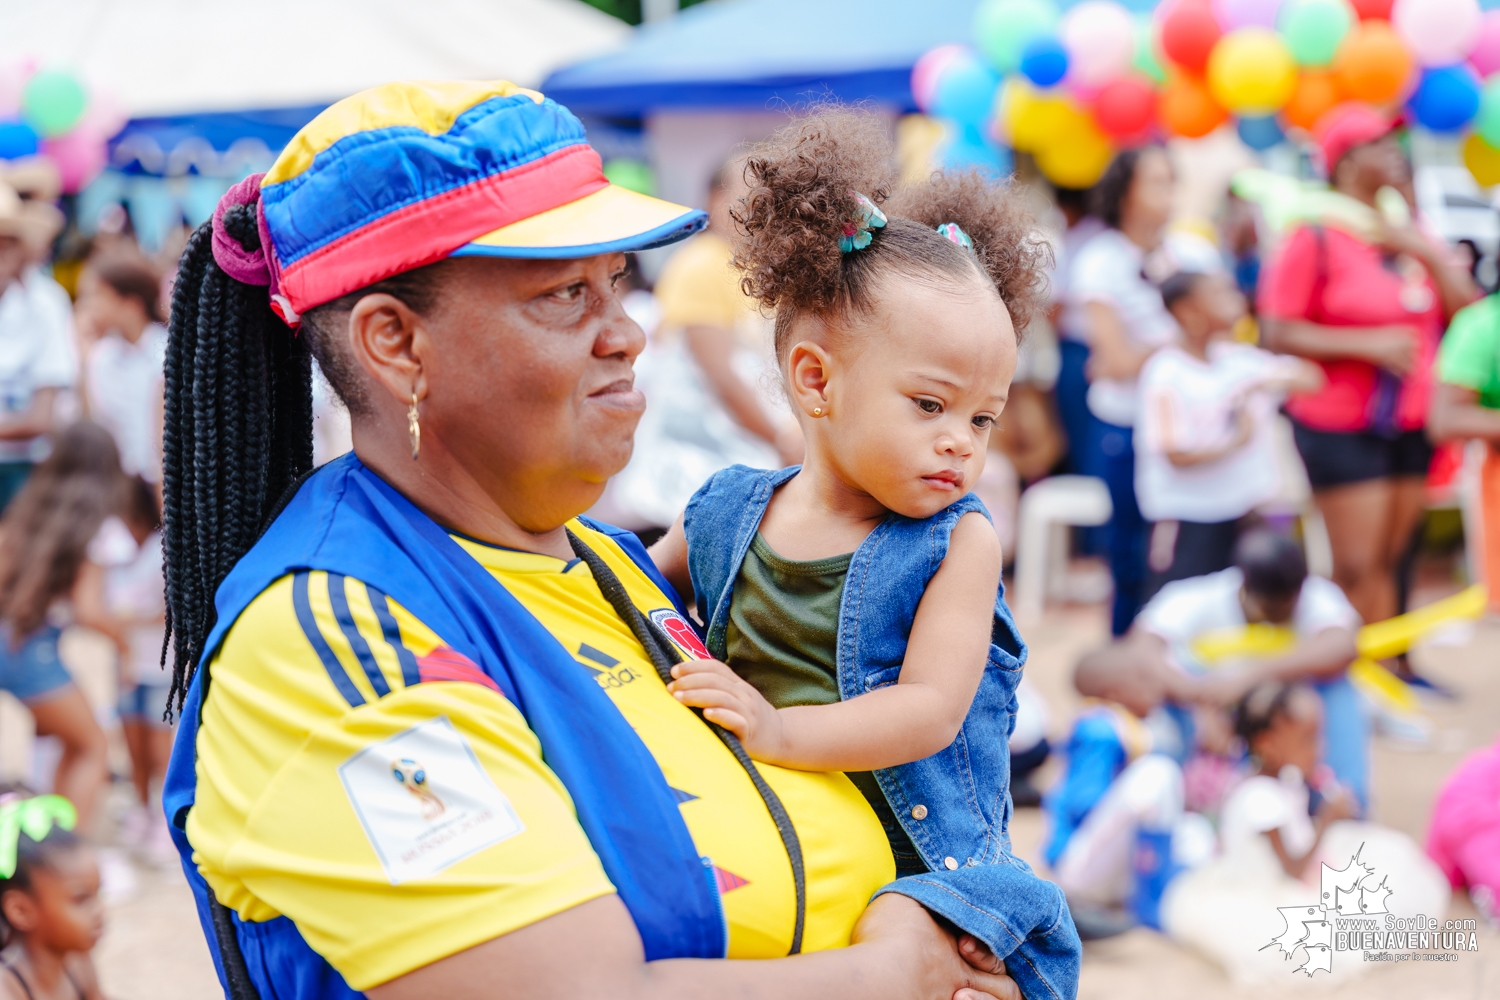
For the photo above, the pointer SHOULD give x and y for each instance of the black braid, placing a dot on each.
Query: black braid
(237, 433)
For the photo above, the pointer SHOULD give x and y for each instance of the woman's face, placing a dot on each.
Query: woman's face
(1375, 165)
(529, 380)
(1148, 204)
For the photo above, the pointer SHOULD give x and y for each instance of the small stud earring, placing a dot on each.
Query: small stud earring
(817, 411)
(413, 428)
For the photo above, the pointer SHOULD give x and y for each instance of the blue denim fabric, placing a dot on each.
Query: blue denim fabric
(1129, 532)
(1346, 736)
(33, 672)
(973, 879)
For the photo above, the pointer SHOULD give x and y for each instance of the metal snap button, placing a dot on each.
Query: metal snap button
(951, 864)
(919, 811)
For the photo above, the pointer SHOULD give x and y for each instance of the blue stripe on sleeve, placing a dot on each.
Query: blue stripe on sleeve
(340, 602)
(319, 644)
(392, 633)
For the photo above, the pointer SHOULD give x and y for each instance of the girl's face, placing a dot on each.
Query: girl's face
(1148, 204)
(1292, 737)
(62, 910)
(102, 308)
(910, 393)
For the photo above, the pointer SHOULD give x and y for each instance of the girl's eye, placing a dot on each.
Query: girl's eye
(929, 406)
(984, 422)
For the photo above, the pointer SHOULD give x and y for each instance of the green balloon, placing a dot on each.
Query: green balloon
(1003, 27)
(53, 101)
(632, 175)
(1487, 121)
(1145, 61)
(1313, 29)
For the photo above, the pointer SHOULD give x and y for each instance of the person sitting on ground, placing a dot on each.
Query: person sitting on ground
(1464, 835)
(50, 913)
(1304, 631)
(1205, 428)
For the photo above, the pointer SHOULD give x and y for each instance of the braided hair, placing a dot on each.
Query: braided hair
(237, 432)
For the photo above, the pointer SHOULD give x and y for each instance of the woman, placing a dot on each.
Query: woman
(1370, 308)
(1122, 315)
(419, 760)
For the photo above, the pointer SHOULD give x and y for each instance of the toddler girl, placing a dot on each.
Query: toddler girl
(50, 913)
(856, 599)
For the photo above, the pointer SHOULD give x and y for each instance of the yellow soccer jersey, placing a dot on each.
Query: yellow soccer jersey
(332, 712)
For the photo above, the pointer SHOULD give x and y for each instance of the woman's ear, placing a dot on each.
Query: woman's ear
(808, 372)
(388, 339)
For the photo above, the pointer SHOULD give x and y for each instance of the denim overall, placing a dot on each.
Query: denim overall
(955, 805)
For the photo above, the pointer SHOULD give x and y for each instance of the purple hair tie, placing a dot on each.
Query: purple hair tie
(250, 267)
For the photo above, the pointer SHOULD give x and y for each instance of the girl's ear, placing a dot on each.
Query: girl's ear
(809, 369)
(19, 910)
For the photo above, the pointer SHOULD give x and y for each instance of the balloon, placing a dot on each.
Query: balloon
(1261, 132)
(1313, 29)
(1146, 61)
(1446, 98)
(1486, 55)
(1373, 63)
(1316, 92)
(1100, 38)
(1438, 32)
(1487, 120)
(1044, 61)
(105, 117)
(966, 91)
(53, 101)
(78, 157)
(1187, 108)
(1372, 10)
(969, 148)
(1032, 120)
(1078, 158)
(1247, 13)
(17, 139)
(1251, 72)
(1483, 160)
(1003, 27)
(1125, 107)
(924, 75)
(1189, 30)
(633, 175)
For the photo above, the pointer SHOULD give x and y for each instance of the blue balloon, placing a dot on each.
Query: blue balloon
(17, 139)
(966, 92)
(1044, 61)
(971, 148)
(1260, 133)
(1447, 98)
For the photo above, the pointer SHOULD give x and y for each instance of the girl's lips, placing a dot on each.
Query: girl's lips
(947, 480)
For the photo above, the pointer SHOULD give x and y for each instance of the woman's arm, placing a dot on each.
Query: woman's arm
(1456, 287)
(1391, 347)
(911, 719)
(1455, 414)
(670, 553)
(1111, 354)
(592, 952)
(88, 606)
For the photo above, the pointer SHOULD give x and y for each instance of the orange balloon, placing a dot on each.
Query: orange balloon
(1188, 109)
(1316, 92)
(1373, 63)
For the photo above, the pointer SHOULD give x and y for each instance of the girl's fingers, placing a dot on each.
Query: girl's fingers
(708, 698)
(697, 682)
(703, 667)
(730, 720)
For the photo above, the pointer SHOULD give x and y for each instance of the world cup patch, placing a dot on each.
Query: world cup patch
(681, 633)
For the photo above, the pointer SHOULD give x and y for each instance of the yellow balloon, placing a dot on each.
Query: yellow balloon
(1079, 155)
(1034, 119)
(1483, 160)
(1250, 72)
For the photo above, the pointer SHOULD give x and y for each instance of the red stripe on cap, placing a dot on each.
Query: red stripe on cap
(431, 229)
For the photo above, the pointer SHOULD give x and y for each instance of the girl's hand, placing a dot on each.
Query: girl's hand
(729, 701)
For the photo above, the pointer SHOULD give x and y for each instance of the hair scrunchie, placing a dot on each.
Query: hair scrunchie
(250, 267)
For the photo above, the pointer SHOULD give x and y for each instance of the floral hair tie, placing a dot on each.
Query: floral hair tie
(34, 817)
(953, 233)
(857, 234)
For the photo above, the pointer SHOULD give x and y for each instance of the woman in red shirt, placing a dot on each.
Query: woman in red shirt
(1371, 313)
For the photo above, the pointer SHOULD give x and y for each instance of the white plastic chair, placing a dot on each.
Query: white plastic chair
(1048, 509)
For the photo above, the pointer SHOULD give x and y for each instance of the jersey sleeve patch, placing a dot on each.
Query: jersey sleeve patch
(425, 802)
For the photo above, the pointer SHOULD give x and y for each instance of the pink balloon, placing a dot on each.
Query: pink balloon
(1439, 32)
(925, 74)
(104, 117)
(78, 157)
(1486, 55)
(1247, 13)
(1100, 38)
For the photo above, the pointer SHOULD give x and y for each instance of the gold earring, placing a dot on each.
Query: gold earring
(817, 411)
(413, 428)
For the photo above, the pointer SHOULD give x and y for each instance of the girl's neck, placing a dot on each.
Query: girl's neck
(819, 513)
(1147, 236)
(1196, 348)
(43, 968)
(133, 329)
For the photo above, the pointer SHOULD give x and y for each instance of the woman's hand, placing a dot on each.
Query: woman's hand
(941, 966)
(728, 700)
(1393, 348)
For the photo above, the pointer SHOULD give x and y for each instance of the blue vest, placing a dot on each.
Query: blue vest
(348, 520)
(966, 787)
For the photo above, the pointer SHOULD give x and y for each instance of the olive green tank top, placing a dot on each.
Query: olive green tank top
(783, 639)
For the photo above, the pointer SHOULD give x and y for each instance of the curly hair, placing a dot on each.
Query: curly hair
(802, 187)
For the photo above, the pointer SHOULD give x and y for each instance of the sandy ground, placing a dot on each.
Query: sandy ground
(154, 948)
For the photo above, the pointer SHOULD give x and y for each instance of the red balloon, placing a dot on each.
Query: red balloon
(1189, 30)
(1373, 9)
(1125, 107)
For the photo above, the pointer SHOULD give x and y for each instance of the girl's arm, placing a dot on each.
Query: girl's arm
(915, 717)
(88, 606)
(670, 553)
(1333, 809)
